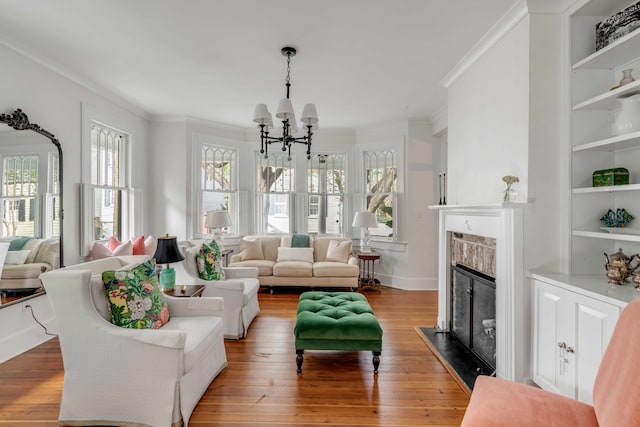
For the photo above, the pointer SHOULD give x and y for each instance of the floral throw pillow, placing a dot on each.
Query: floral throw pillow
(135, 300)
(209, 262)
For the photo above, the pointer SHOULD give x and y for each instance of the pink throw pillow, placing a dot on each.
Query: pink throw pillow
(138, 245)
(113, 243)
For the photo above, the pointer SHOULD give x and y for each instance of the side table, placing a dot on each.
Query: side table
(367, 278)
(188, 291)
(225, 256)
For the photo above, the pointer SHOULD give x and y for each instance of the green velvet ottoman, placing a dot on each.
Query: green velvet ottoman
(337, 321)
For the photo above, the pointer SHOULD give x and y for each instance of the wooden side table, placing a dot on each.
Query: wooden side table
(188, 291)
(367, 278)
(225, 256)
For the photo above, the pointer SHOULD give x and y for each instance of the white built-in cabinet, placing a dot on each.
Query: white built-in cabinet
(574, 314)
(594, 144)
(571, 333)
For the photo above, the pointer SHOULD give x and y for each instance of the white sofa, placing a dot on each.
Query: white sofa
(44, 256)
(123, 377)
(239, 289)
(319, 273)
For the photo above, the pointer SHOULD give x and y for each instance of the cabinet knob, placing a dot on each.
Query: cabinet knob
(469, 291)
(562, 344)
(569, 349)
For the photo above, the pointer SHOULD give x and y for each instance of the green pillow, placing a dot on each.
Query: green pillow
(135, 300)
(209, 262)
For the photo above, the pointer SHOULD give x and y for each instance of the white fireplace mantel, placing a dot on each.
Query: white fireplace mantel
(503, 222)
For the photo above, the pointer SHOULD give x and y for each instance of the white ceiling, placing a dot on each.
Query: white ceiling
(360, 61)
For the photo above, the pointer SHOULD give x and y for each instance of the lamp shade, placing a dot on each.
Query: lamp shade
(309, 114)
(217, 219)
(285, 109)
(365, 219)
(167, 250)
(261, 115)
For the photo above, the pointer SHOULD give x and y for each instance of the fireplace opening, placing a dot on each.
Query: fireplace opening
(473, 314)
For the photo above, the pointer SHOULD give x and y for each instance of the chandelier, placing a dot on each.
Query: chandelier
(309, 119)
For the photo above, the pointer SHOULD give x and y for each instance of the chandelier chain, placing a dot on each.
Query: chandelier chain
(288, 68)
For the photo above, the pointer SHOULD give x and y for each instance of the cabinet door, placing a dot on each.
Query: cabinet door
(594, 324)
(548, 314)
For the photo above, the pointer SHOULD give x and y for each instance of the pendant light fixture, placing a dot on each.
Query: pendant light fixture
(285, 112)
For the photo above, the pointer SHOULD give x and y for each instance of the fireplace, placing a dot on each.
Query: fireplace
(504, 224)
(473, 314)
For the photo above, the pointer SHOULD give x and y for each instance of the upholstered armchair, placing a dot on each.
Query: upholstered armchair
(122, 377)
(616, 396)
(239, 290)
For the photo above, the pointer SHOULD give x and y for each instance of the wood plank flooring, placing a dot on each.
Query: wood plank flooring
(260, 387)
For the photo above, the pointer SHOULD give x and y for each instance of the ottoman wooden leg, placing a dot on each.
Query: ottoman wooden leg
(299, 360)
(376, 361)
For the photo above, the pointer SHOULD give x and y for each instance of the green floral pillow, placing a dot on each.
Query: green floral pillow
(209, 262)
(135, 300)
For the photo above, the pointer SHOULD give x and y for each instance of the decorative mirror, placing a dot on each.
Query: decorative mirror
(31, 211)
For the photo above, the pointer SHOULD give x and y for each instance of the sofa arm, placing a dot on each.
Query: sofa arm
(241, 272)
(203, 306)
(354, 261)
(235, 257)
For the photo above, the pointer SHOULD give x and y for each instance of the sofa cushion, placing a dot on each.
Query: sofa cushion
(321, 245)
(295, 254)
(33, 245)
(135, 298)
(251, 249)
(338, 251)
(99, 250)
(24, 271)
(17, 257)
(270, 245)
(335, 269)
(201, 333)
(293, 269)
(264, 266)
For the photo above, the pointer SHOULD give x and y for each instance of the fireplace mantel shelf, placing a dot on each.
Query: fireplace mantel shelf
(504, 205)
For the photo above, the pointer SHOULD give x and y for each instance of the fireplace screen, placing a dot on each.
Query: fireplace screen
(473, 312)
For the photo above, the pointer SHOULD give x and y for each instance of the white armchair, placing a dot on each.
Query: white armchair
(239, 290)
(123, 377)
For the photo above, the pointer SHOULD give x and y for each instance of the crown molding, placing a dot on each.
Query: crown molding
(505, 24)
(51, 65)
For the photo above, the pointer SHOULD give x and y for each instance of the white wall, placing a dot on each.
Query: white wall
(55, 103)
(488, 119)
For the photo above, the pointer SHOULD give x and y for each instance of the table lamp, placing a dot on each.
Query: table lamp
(167, 252)
(364, 220)
(217, 220)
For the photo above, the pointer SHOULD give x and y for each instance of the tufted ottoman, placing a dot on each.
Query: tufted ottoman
(337, 321)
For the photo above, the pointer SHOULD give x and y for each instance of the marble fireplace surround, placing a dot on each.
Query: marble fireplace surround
(503, 222)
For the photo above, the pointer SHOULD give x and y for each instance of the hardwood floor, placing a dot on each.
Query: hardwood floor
(260, 387)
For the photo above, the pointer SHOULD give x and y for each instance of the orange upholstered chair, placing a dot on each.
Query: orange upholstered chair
(616, 392)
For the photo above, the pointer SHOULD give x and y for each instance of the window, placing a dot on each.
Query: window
(326, 189)
(218, 184)
(109, 181)
(275, 187)
(19, 195)
(53, 196)
(381, 178)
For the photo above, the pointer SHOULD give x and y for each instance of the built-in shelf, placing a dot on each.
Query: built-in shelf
(618, 142)
(607, 189)
(619, 53)
(609, 100)
(608, 236)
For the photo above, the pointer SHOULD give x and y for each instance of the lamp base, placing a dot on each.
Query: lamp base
(365, 240)
(167, 279)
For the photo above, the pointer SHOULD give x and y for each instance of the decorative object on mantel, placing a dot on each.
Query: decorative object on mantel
(617, 25)
(619, 218)
(309, 118)
(442, 187)
(509, 192)
(628, 118)
(636, 279)
(613, 176)
(618, 266)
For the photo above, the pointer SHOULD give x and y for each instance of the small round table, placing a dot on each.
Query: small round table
(367, 278)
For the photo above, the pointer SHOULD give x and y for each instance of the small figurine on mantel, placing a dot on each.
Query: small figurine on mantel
(509, 193)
